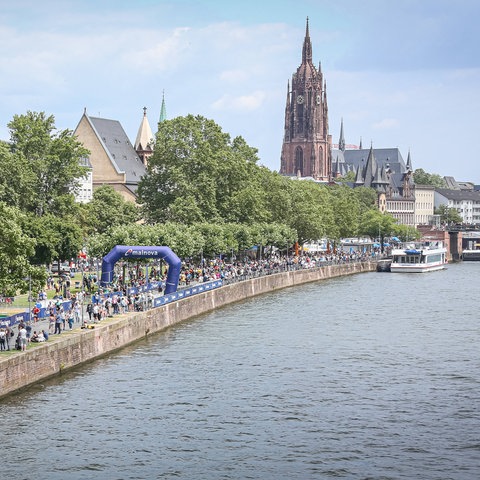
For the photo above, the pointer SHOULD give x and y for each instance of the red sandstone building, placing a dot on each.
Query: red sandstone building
(307, 145)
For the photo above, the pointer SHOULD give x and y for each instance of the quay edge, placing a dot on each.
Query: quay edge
(71, 349)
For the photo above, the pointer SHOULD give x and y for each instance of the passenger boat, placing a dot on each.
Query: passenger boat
(471, 249)
(419, 258)
(471, 255)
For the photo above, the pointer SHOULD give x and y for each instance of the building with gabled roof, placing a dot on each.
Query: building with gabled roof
(384, 170)
(113, 158)
(145, 140)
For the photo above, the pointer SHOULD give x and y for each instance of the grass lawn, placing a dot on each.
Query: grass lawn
(21, 301)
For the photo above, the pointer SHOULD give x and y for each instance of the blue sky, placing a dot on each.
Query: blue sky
(402, 73)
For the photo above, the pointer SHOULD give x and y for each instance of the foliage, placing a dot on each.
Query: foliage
(198, 174)
(346, 211)
(448, 215)
(420, 177)
(16, 273)
(406, 233)
(57, 237)
(43, 165)
(349, 177)
(312, 212)
(108, 209)
(377, 225)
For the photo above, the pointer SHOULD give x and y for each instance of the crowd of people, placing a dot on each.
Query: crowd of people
(90, 306)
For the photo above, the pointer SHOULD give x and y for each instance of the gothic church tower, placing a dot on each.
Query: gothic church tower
(307, 146)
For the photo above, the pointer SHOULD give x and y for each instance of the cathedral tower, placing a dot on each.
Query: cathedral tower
(307, 146)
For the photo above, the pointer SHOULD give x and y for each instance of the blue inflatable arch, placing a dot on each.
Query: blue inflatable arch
(163, 253)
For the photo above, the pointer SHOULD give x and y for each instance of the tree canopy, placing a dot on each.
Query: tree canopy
(421, 177)
(204, 194)
(42, 166)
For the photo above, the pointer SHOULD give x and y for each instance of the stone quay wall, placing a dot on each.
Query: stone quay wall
(73, 348)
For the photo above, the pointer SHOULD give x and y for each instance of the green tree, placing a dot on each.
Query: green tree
(367, 198)
(406, 233)
(348, 178)
(46, 161)
(198, 174)
(311, 214)
(16, 273)
(57, 237)
(378, 225)
(346, 211)
(420, 177)
(448, 214)
(108, 209)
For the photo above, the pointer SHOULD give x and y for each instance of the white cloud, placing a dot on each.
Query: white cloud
(386, 124)
(240, 103)
(234, 76)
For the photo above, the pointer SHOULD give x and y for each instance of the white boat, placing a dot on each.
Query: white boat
(419, 258)
(471, 255)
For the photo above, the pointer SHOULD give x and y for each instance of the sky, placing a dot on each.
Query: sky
(403, 73)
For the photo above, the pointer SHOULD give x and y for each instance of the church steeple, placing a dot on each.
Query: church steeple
(163, 110)
(408, 166)
(307, 144)
(341, 140)
(144, 141)
(307, 47)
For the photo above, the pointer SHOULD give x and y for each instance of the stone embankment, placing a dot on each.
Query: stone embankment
(73, 348)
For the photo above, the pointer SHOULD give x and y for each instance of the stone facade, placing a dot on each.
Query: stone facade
(306, 150)
(112, 157)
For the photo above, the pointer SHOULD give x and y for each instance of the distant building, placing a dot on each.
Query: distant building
(113, 160)
(384, 170)
(145, 141)
(465, 202)
(84, 193)
(424, 204)
(112, 157)
(306, 149)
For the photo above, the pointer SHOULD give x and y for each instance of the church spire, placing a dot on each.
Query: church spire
(307, 47)
(144, 141)
(341, 140)
(409, 163)
(307, 144)
(163, 110)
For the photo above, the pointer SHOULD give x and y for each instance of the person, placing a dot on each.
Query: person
(96, 313)
(3, 334)
(28, 328)
(36, 312)
(22, 337)
(51, 325)
(45, 334)
(8, 335)
(34, 337)
(70, 319)
(90, 311)
(58, 324)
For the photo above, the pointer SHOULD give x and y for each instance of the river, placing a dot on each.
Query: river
(371, 376)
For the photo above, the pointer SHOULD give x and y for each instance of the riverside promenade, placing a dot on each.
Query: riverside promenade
(74, 347)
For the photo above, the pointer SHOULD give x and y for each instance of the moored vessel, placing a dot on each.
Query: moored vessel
(419, 258)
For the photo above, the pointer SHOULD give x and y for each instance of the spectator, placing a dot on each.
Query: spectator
(3, 335)
(22, 337)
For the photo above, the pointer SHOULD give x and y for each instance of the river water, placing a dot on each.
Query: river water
(372, 376)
